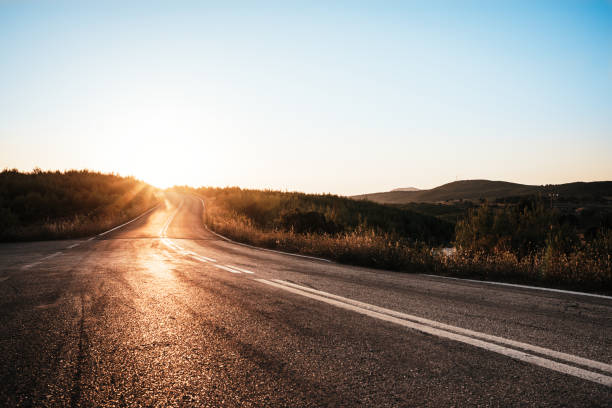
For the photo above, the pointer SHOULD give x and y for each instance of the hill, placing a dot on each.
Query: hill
(490, 190)
(406, 189)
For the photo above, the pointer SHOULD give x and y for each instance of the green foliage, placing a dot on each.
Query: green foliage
(451, 213)
(40, 205)
(531, 242)
(524, 228)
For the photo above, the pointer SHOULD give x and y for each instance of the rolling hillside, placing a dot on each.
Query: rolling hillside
(487, 189)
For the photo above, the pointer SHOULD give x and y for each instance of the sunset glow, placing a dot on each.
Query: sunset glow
(369, 100)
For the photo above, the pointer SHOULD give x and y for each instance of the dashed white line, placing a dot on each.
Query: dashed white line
(30, 265)
(200, 256)
(53, 255)
(226, 268)
(512, 353)
(73, 245)
(166, 241)
(241, 269)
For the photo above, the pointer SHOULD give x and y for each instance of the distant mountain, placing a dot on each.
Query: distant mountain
(406, 189)
(490, 190)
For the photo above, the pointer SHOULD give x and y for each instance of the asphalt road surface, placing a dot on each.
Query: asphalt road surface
(161, 312)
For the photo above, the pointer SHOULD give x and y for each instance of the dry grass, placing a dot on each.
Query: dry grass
(587, 268)
(359, 247)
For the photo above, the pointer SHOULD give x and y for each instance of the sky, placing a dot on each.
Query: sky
(340, 97)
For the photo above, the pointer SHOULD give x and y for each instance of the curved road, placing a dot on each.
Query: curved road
(161, 312)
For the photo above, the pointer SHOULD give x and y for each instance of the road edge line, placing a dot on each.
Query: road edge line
(516, 285)
(126, 223)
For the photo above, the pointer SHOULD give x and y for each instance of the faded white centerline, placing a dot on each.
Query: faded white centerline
(45, 258)
(241, 269)
(166, 241)
(226, 268)
(53, 255)
(433, 328)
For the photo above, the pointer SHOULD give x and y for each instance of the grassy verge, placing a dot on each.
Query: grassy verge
(583, 266)
(60, 205)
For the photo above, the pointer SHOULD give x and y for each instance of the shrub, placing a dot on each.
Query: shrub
(46, 205)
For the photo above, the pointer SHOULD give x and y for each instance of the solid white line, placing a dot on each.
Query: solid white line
(569, 292)
(226, 268)
(536, 349)
(241, 269)
(129, 222)
(515, 354)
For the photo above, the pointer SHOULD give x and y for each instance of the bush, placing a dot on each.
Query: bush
(47, 205)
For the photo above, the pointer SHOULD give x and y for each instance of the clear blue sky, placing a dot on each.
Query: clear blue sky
(347, 98)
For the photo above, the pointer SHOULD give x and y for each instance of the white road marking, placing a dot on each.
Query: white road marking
(28, 266)
(91, 239)
(182, 251)
(165, 240)
(164, 228)
(129, 222)
(199, 256)
(241, 269)
(512, 353)
(73, 245)
(53, 255)
(226, 268)
(569, 292)
(536, 349)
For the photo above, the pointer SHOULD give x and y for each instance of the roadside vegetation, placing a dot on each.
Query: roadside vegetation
(532, 241)
(51, 205)
(338, 228)
(522, 241)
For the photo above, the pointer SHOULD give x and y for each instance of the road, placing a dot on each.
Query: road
(161, 312)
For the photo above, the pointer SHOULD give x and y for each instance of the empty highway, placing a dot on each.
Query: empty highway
(162, 312)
